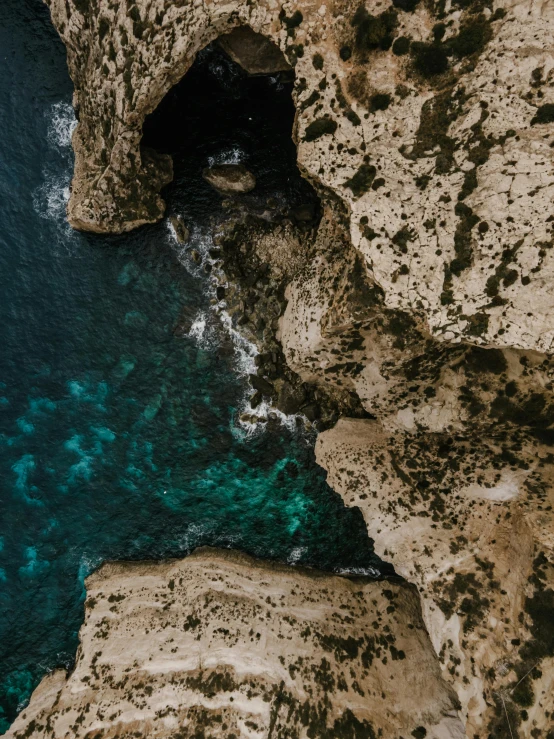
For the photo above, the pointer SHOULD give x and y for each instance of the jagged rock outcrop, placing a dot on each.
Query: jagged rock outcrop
(454, 477)
(433, 125)
(475, 534)
(428, 129)
(222, 645)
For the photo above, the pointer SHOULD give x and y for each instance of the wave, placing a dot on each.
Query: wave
(61, 125)
(205, 330)
(51, 198)
(296, 555)
(234, 155)
(372, 572)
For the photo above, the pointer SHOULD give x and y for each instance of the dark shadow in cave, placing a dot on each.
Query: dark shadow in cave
(219, 114)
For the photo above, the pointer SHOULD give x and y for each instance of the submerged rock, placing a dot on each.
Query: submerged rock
(181, 231)
(220, 645)
(230, 178)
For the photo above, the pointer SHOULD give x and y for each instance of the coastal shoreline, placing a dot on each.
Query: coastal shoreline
(425, 298)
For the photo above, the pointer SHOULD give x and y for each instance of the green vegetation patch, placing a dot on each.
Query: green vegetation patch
(345, 53)
(479, 360)
(429, 60)
(374, 31)
(408, 6)
(472, 38)
(379, 101)
(544, 114)
(401, 45)
(294, 21)
(477, 324)
(320, 127)
(533, 411)
(362, 180)
(82, 5)
(462, 239)
(317, 61)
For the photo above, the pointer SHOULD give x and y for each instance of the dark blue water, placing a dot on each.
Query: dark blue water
(118, 432)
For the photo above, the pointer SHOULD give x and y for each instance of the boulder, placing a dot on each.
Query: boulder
(312, 412)
(182, 233)
(304, 214)
(291, 398)
(263, 386)
(229, 178)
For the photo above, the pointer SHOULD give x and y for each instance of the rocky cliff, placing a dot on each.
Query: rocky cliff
(222, 645)
(425, 294)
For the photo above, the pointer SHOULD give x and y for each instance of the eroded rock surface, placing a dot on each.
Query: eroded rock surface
(475, 534)
(433, 125)
(424, 300)
(230, 178)
(221, 645)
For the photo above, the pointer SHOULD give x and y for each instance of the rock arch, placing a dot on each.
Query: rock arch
(433, 126)
(123, 60)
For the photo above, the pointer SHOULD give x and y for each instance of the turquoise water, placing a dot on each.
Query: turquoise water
(118, 427)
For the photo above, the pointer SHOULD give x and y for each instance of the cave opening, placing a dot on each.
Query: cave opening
(220, 113)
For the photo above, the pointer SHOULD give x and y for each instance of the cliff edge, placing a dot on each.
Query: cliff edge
(222, 645)
(423, 302)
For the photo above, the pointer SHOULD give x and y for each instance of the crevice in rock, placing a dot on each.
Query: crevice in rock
(220, 116)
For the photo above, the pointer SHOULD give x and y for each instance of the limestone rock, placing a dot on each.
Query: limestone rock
(440, 153)
(475, 534)
(426, 294)
(262, 386)
(229, 178)
(290, 399)
(221, 645)
(182, 233)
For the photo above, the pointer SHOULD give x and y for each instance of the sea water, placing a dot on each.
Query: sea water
(119, 430)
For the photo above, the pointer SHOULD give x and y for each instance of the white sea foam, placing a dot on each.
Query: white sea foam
(198, 328)
(87, 565)
(62, 124)
(296, 555)
(360, 571)
(50, 199)
(235, 155)
(206, 328)
(194, 534)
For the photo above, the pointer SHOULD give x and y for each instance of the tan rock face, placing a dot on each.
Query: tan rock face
(221, 645)
(472, 533)
(427, 294)
(448, 177)
(230, 178)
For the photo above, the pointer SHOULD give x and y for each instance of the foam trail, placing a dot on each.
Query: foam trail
(296, 555)
(198, 328)
(62, 124)
(372, 572)
(203, 331)
(50, 199)
(227, 156)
